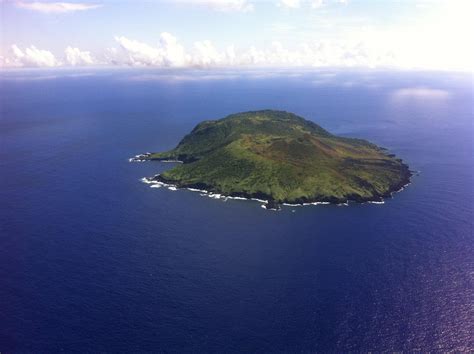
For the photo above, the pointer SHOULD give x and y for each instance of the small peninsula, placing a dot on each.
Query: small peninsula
(281, 158)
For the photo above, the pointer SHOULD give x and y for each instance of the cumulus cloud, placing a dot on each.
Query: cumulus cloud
(222, 5)
(253, 56)
(173, 53)
(168, 52)
(206, 54)
(55, 7)
(137, 53)
(4, 61)
(230, 55)
(32, 56)
(317, 54)
(75, 57)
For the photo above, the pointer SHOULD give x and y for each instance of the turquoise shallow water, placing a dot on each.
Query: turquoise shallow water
(91, 259)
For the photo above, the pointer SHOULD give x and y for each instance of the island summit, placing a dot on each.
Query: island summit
(281, 158)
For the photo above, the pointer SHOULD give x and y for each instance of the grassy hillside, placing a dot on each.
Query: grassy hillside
(282, 157)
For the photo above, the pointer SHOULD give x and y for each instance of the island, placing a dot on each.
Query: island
(279, 158)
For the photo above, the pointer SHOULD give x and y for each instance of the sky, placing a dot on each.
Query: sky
(402, 34)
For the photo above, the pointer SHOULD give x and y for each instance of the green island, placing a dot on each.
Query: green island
(282, 158)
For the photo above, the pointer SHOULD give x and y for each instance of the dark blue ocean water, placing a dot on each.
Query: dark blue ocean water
(91, 259)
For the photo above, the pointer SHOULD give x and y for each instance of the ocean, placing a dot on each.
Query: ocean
(92, 259)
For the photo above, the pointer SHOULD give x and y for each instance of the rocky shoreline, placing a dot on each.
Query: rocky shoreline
(146, 157)
(269, 203)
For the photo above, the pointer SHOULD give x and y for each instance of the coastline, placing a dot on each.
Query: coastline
(145, 157)
(267, 202)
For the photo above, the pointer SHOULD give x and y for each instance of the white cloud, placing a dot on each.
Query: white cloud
(75, 57)
(32, 56)
(253, 56)
(168, 52)
(318, 54)
(173, 53)
(292, 4)
(138, 53)
(55, 7)
(5, 62)
(316, 4)
(206, 54)
(222, 5)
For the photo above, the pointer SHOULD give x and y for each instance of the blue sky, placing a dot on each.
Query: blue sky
(426, 34)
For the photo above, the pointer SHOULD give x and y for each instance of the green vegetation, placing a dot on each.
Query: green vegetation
(281, 157)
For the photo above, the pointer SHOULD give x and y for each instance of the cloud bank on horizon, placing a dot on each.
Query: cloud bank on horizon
(423, 34)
